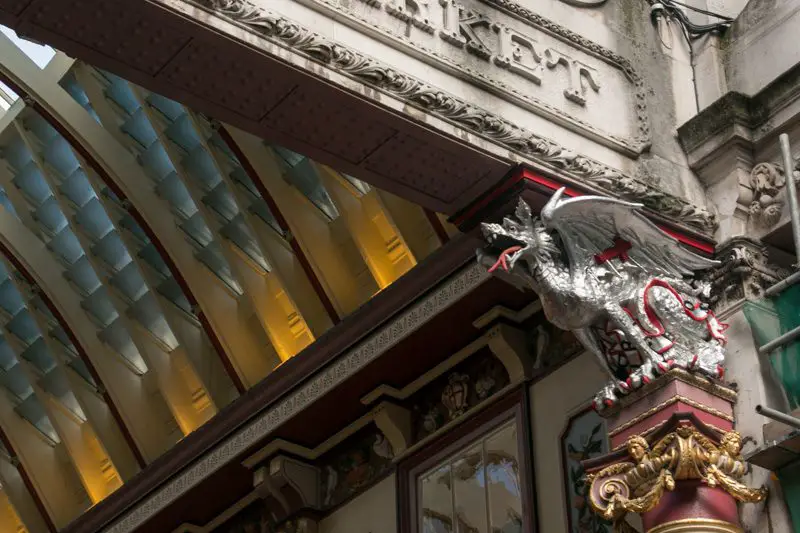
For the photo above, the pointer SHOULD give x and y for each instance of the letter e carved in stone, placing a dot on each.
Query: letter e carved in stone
(511, 55)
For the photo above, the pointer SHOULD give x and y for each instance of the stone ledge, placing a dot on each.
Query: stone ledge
(737, 109)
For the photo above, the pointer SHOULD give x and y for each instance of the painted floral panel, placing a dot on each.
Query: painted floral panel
(584, 438)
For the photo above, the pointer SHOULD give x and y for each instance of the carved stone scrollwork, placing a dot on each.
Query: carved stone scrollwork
(767, 182)
(368, 70)
(685, 454)
(744, 273)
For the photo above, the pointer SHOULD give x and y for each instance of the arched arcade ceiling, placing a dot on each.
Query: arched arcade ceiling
(155, 265)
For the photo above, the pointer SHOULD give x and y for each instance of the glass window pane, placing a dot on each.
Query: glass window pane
(476, 490)
(503, 481)
(436, 501)
(470, 488)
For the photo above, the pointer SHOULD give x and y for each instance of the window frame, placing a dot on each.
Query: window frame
(514, 406)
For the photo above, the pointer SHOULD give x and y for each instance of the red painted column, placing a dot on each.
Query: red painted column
(675, 459)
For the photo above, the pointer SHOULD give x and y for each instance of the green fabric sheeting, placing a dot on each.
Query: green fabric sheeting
(771, 318)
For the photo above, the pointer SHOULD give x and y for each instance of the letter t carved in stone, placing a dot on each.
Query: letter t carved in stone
(578, 72)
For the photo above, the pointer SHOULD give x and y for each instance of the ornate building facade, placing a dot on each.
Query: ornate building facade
(239, 290)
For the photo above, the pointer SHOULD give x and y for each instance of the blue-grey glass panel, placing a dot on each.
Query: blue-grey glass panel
(304, 177)
(94, 220)
(237, 233)
(128, 223)
(201, 167)
(169, 108)
(30, 180)
(197, 229)
(170, 289)
(100, 307)
(16, 153)
(50, 216)
(70, 84)
(120, 93)
(80, 368)
(112, 251)
(7, 357)
(6, 203)
(138, 126)
(10, 299)
(183, 133)
(83, 275)
(359, 185)
(76, 188)
(15, 381)
(23, 327)
(38, 355)
(174, 191)
(156, 161)
(60, 156)
(221, 200)
(130, 282)
(32, 411)
(35, 124)
(212, 257)
(66, 244)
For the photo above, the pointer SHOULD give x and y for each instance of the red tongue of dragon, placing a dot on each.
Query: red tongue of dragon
(501, 261)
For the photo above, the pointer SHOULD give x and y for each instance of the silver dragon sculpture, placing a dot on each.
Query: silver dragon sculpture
(618, 282)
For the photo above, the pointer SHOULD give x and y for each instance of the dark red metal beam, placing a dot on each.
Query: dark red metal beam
(522, 177)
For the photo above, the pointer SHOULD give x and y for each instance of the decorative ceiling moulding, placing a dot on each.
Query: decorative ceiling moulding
(477, 48)
(313, 389)
(550, 156)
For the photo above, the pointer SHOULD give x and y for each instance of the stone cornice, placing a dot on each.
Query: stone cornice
(547, 153)
(739, 111)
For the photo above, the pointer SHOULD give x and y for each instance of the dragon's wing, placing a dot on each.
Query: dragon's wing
(589, 225)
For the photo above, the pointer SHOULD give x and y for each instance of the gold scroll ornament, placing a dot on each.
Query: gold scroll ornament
(686, 453)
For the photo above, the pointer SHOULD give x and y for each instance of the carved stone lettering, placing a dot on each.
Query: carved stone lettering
(579, 73)
(505, 48)
(468, 23)
(415, 12)
(518, 53)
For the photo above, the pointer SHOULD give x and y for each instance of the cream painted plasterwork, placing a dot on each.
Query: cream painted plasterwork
(548, 154)
(448, 293)
(517, 54)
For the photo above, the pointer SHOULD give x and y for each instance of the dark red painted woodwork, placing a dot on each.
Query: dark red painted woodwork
(525, 175)
(692, 499)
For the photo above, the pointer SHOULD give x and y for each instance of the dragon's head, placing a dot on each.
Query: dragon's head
(525, 238)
